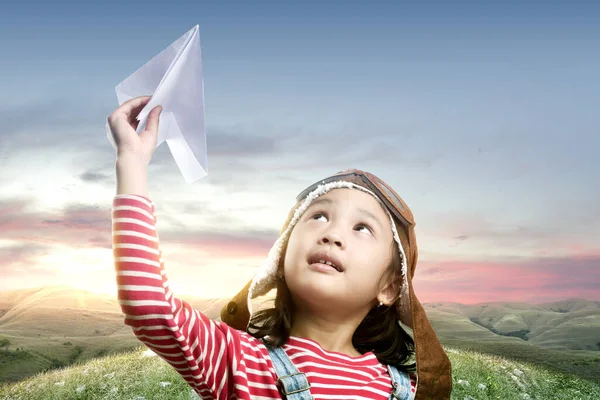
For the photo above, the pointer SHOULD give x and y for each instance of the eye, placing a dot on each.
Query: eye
(365, 227)
(319, 215)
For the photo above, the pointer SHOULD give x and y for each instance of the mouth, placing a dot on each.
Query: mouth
(326, 259)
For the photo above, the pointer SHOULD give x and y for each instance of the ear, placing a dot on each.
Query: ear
(388, 294)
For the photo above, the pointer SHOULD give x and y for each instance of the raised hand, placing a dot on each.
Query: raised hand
(123, 126)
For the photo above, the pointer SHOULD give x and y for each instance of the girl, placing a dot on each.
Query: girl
(342, 269)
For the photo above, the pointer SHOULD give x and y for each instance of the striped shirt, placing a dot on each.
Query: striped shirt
(217, 361)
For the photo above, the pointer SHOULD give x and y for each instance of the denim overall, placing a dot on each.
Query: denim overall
(293, 384)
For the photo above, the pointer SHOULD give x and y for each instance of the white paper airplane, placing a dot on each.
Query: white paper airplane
(174, 80)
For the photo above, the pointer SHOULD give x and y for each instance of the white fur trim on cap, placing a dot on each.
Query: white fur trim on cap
(266, 277)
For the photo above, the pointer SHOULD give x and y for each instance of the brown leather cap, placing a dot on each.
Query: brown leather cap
(434, 369)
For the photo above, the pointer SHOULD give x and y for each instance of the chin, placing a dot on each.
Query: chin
(315, 293)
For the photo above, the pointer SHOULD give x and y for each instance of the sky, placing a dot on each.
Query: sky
(484, 118)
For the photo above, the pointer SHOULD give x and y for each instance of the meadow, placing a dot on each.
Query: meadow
(141, 375)
(60, 342)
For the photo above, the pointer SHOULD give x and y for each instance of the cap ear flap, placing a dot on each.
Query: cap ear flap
(289, 218)
(280, 263)
(414, 252)
(236, 313)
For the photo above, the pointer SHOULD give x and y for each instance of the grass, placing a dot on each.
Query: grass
(135, 376)
(580, 363)
(481, 376)
(43, 353)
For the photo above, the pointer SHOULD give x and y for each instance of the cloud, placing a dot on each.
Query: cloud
(237, 143)
(484, 234)
(23, 253)
(535, 279)
(91, 176)
(40, 233)
(52, 121)
(274, 149)
(14, 215)
(257, 158)
(222, 243)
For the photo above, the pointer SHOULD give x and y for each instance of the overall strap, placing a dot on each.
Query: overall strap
(292, 384)
(401, 387)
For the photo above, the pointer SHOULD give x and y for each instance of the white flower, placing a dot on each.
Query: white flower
(80, 389)
(111, 375)
(464, 383)
(165, 384)
(61, 383)
(526, 396)
(481, 386)
(516, 379)
(148, 353)
(114, 390)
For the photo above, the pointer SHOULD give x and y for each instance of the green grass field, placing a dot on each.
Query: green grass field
(135, 375)
(46, 329)
(457, 331)
(26, 356)
(580, 363)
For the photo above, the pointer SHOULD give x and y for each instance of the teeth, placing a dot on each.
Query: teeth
(327, 263)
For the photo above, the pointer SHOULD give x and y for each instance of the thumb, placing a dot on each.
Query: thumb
(153, 117)
(152, 124)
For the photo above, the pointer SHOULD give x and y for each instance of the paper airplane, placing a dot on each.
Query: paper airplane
(174, 80)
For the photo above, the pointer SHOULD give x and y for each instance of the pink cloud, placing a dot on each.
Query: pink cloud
(531, 280)
(528, 280)
(80, 226)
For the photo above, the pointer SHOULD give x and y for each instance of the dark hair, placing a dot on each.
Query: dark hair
(378, 332)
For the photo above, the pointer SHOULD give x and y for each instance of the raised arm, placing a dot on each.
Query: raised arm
(206, 353)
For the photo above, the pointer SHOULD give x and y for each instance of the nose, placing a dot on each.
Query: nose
(332, 237)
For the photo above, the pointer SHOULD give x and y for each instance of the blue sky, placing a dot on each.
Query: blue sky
(483, 117)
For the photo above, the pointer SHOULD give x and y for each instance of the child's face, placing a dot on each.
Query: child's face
(351, 227)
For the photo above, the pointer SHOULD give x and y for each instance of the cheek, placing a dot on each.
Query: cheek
(372, 265)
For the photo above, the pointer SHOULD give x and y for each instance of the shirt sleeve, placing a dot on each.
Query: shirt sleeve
(204, 352)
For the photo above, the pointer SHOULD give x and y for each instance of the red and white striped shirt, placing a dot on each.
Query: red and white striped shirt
(218, 362)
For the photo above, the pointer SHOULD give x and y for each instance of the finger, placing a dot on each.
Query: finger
(131, 104)
(123, 116)
(132, 117)
(153, 118)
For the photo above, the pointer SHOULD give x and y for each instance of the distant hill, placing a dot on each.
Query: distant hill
(572, 324)
(57, 326)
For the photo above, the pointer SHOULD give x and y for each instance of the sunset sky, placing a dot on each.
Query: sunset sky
(484, 118)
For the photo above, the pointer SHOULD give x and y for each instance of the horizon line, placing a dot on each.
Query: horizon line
(99, 293)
